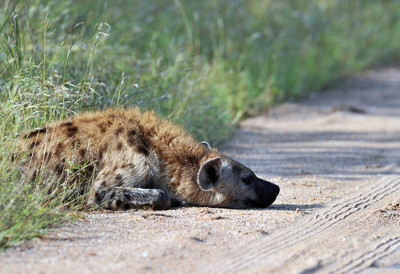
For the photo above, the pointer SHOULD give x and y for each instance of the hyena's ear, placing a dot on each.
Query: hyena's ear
(209, 173)
(207, 145)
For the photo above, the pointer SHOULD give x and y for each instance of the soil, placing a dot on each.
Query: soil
(336, 158)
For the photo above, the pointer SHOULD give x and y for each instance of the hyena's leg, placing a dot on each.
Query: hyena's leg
(127, 197)
(115, 190)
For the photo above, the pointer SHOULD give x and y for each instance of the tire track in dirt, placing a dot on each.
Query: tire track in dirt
(343, 211)
(367, 259)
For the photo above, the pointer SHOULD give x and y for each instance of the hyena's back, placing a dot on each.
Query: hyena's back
(104, 137)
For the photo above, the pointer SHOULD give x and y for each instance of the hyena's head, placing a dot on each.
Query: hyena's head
(235, 185)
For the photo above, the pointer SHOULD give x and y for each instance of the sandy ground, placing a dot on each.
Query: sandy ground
(336, 157)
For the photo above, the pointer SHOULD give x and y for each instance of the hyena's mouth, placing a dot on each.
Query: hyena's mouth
(259, 203)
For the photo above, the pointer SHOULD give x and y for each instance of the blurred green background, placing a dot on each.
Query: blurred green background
(204, 64)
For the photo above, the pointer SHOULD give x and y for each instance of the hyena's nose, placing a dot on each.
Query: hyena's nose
(275, 189)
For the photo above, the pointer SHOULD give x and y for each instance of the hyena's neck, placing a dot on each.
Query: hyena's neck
(194, 195)
(183, 156)
(184, 181)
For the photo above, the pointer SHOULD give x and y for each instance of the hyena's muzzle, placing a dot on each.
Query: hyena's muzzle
(266, 193)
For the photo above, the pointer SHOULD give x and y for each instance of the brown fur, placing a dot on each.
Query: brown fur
(136, 159)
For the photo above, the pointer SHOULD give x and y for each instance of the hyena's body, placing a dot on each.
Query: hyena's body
(137, 159)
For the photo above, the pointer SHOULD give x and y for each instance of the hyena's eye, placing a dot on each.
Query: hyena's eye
(247, 180)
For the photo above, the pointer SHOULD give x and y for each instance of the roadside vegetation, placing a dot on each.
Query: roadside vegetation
(203, 64)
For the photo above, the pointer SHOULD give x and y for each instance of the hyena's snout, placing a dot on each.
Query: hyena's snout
(266, 193)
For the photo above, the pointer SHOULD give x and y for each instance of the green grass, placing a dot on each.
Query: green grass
(203, 64)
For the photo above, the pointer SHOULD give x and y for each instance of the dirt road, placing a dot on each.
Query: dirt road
(336, 157)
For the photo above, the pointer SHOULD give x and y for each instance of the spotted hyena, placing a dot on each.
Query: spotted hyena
(134, 159)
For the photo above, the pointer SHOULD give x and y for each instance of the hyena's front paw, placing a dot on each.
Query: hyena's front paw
(127, 198)
(161, 200)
